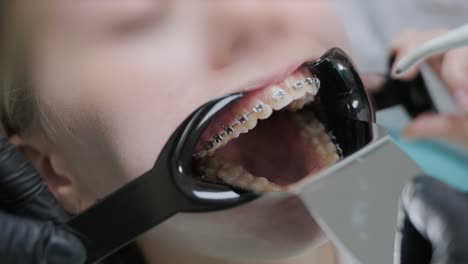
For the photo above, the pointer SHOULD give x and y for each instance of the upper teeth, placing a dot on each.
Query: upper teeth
(244, 118)
(258, 108)
(299, 85)
(278, 95)
(229, 130)
(218, 137)
(311, 80)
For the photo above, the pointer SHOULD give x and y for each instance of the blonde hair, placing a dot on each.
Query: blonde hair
(17, 104)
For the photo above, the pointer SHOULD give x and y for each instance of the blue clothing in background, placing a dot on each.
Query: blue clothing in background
(438, 160)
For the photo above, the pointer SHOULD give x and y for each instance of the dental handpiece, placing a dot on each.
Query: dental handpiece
(455, 38)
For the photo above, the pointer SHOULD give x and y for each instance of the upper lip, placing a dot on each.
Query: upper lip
(273, 77)
(276, 77)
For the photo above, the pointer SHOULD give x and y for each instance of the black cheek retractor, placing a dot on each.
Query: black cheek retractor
(169, 187)
(342, 103)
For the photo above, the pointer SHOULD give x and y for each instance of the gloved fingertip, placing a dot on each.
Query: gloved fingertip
(410, 133)
(373, 82)
(422, 127)
(461, 96)
(64, 247)
(407, 136)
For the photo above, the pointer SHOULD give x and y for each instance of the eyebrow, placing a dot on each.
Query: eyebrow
(137, 22)
(122, 16)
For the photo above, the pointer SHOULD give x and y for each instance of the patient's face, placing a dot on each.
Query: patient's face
(115, 78)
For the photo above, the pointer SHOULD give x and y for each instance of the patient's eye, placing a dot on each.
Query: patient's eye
(137, 26)
(141, 22)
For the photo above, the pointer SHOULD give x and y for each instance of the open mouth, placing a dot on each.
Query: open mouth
(269, 139)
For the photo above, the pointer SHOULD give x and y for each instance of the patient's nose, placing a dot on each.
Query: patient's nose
(240, 29)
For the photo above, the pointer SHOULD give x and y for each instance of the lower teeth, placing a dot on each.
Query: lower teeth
(311, 129)
(300, 103)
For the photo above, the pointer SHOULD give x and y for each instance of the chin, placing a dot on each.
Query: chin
(276, 226)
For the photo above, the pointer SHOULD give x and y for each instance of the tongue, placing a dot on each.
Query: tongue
(277, 149)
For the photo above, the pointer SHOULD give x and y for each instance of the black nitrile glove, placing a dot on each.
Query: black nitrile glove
(432, 224)
(30, 216)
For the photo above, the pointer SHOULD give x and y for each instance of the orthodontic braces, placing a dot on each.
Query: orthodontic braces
(242, 119)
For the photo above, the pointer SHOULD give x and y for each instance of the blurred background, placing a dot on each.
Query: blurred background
(371, 26)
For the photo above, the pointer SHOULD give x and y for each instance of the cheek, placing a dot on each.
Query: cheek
(139, 104)
(118, 103)
(114, 135)
(137, 122)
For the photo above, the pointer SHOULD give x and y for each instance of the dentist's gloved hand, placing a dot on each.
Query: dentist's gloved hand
(432, 224)
(29, 216)
(452, 68)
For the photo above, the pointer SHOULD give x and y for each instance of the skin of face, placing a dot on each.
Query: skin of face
(115, 78)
